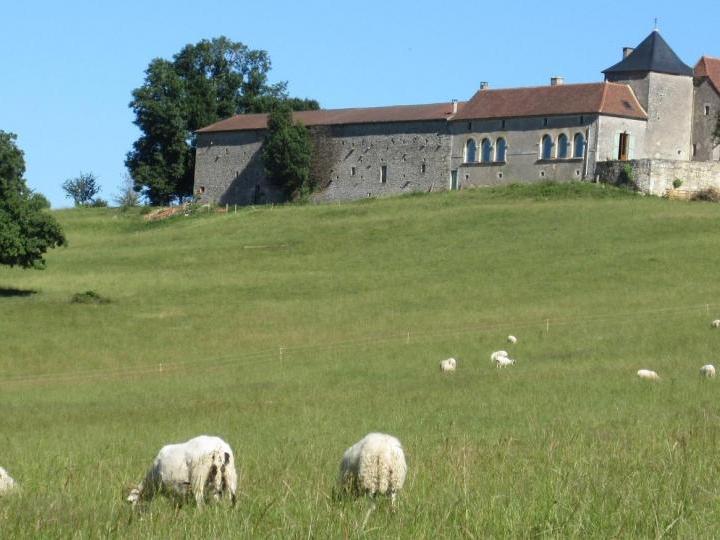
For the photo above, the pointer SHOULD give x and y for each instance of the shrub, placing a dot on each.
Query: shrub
(99, 203)
(677, 183)
(626, 178)
(88, 297)
(710, 194)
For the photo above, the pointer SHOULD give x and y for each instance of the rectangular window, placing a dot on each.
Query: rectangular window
(694, 150)
(707, 110)
(383, 174)
(545, 122)
(422, 168)
(352, 171)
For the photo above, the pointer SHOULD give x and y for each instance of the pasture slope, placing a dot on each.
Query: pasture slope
(293, 331)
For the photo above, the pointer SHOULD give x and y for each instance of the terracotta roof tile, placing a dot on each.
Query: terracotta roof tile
(602, 98)
(326, 117)
(709, 67)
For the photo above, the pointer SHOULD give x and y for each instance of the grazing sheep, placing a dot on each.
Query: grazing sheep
(374, 465)
(201, 466)
(512, 339)
(6, 482)
(648, 375)
(708, 371)
(715, 323)
(504, 361)
(448, 365)
(498, 354)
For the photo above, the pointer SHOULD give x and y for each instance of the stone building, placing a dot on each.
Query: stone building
(652, 113)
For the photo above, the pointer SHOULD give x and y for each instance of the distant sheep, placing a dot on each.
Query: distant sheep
(374, 465)
(708, 371)
(648, 375)
(715, 323)
(498, 354)
(504, 361)
(512, 339)
(6, 482)
(200, 467)
(448, 365)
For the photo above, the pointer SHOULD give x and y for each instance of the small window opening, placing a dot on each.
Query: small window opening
(467, 177)
(582, 119)
(500, 175)
(694, 150)
(469, 126)
(542, 174)
(383, 174)
(545, 122)
(202, 190)
(352, 171)
(707, 110)
(502, 124)
(422, 168)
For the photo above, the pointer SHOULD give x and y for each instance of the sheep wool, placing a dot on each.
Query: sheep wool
(498, 354)
(648, 375)
(374, 465)
(708, 371)
(448, 365)
(504, 361)
(6, 482)
(512, 339)
(200, 467)
(715, 323)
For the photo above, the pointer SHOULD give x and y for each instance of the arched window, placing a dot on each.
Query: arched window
(500, 149)
(486, 146)
(563, 150)
(546, 147)
(578, 145)
(470, 151)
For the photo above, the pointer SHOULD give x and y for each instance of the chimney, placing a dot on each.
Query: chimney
(484, 85)
(454, 106)
(557, 81)
(627, 51)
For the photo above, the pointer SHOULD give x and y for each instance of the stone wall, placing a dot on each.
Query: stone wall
(656, 176)
(704, 124)
(229, 169)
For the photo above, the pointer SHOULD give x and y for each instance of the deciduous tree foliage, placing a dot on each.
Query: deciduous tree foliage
(204, 83)
(82, 189)
(27, 230)
(287, 153)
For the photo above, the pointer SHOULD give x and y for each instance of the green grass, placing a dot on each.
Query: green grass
(293, 331)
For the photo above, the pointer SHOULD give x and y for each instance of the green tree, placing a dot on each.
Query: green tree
(82, 189)
(205, 82)
(27, 230)
(287, 153)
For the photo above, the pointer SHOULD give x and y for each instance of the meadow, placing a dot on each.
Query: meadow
(293, 331)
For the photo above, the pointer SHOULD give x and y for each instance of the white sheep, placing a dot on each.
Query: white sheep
(504, 361)
(374, 465)
(512, 339)
(715, 323)
(648, 375)
(498, 354)
(708, 370)
(6, 482)
(448, 365)
(199, 467)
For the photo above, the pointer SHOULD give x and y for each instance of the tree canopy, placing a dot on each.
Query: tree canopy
(287, 153)
(27, 230)
(203, 83)
(82, 189)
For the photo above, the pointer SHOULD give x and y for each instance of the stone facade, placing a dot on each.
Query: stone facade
(373, 160)
(705, 118)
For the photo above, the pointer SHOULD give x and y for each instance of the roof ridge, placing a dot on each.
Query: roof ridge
(488, 90)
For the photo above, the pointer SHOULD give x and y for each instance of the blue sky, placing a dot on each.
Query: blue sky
(68, 68)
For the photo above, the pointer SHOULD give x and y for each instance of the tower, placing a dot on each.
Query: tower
(663, 85)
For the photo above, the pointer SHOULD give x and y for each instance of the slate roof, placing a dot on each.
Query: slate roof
(326, 117)
(653, 54)
(602, 98)
(709, 67)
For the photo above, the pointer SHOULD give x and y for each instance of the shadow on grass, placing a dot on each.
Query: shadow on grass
(10, 292)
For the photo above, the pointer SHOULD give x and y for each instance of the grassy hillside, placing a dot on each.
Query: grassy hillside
(293, 331)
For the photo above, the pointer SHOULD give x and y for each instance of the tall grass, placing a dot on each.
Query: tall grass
(293, 331)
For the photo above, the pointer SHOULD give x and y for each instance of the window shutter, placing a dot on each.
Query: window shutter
(616, 146)
(631, 146)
